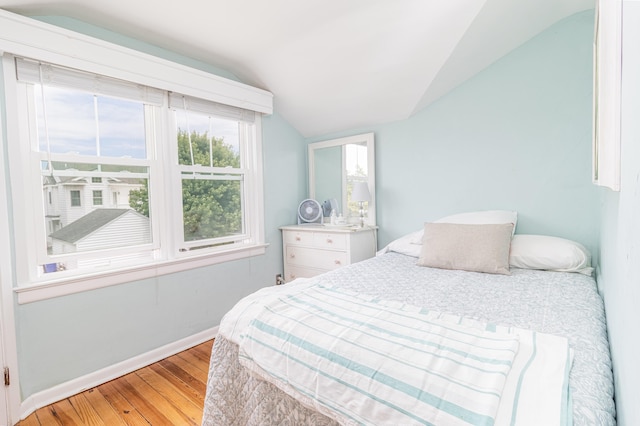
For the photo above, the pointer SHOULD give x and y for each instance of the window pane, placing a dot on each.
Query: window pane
(81, 123)
(211, 208)
(214, 141)
(75, 198)
(97, 198)
(105, 223)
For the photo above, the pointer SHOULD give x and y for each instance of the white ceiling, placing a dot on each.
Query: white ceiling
(332, 65)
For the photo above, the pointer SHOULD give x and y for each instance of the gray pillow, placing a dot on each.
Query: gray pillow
(477, 248)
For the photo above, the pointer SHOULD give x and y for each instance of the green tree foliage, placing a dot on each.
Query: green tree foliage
(139, 199)
(211, 208)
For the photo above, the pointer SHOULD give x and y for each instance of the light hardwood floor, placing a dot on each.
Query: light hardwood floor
(169, 392)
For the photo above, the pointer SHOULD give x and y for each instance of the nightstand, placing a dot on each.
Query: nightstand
(309, 250)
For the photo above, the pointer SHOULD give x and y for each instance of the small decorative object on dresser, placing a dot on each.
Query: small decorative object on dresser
(312, 250)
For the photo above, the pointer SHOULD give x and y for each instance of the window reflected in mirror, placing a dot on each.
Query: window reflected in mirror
(334, 167)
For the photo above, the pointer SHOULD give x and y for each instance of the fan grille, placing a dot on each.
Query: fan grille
(309, 211)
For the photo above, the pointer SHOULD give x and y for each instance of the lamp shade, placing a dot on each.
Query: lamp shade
(360, 192)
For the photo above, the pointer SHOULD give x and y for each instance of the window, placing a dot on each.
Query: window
(97, 198)
(607, 70)
(176, 194)
(211, 164)
(75, 198)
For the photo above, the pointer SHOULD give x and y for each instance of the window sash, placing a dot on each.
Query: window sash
(76, 198)
(97, 197)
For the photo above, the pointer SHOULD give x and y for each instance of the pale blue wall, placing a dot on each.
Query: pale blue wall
(66, 337)
(515, 136)
(619, 275)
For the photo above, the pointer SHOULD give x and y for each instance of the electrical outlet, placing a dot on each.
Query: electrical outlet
(279, 279)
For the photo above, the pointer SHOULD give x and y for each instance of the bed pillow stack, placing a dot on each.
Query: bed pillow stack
(487, 217)
(472, 241)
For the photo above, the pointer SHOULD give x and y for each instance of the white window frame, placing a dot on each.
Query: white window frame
(607, 87)
(33, 39)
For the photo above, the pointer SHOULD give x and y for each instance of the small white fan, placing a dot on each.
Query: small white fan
(309, 211)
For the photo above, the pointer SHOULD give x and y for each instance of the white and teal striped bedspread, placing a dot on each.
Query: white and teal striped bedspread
(551, 303)
(361, 360)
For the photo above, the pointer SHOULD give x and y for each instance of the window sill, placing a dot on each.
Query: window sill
(62, 287)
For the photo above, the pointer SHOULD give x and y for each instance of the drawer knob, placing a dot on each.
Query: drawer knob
(292, 256)
(329, 240)
(338, 262)
(298, 238)
(292, 277)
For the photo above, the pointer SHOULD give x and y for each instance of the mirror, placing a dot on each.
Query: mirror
(336, 166)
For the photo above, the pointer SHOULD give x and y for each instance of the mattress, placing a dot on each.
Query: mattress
(558, 303)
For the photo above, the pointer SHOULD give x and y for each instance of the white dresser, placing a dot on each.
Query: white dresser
(309, 250)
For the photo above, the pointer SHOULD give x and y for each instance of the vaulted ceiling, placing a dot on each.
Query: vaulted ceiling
(332, 65)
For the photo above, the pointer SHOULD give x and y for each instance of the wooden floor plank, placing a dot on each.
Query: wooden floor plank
(150, 411)
(202, 355)
(155, 398)
(196, 383)
(86, 412)
(45, 416)
(180, 397)
(31, 420)
(67, 415)
(128, 412)
(191, 364)
(207, 347)
(169, 392)
(195, 394)
(108, 414)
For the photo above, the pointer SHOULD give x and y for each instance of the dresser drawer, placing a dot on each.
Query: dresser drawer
(321, 259)
(323, 240)
(330, 241)
(298, 238)
(293, 272)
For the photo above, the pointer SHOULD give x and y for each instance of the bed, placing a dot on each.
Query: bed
(527, 301)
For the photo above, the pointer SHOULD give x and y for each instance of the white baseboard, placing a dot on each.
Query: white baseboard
(80, 384)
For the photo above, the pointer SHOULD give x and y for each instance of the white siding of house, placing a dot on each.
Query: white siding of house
(60, 206)
(61, 247)
(122, 201)
(129, 229)
(69, 214)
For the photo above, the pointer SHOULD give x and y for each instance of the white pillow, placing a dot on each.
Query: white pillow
(549, 253)
(488, 217)
(403, 245)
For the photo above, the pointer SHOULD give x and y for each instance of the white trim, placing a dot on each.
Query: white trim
(33, 288)
(607, 89)
(91, 380)
(34, 39)
(7, 320)
(8, 342)
(62, 287)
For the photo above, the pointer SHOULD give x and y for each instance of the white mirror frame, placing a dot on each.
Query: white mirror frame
(366, 138)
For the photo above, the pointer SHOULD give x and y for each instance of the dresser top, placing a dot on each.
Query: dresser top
(316, 227)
